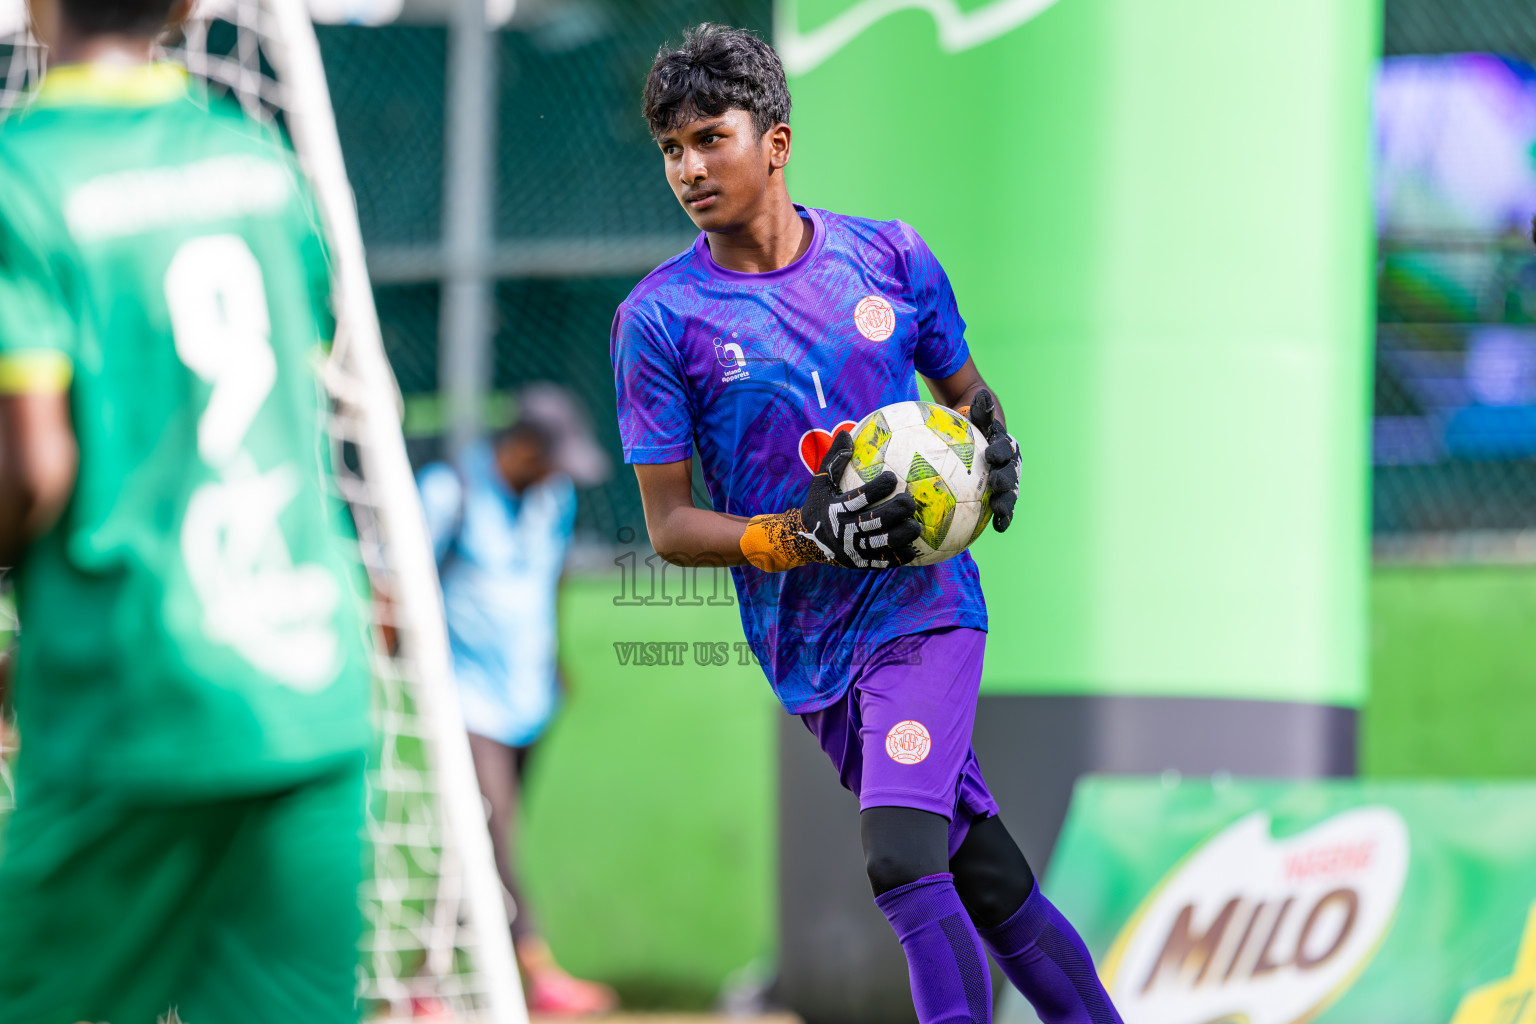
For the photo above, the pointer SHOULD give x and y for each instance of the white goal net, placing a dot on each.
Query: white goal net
(436, 944)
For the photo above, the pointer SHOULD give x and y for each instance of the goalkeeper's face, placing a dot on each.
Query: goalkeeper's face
(722, 170)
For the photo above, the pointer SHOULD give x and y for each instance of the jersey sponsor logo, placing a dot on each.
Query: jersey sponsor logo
(730, 355)
(908, 742)
(135, 202)
(1263, 931)
(874, 318)
(815, 442)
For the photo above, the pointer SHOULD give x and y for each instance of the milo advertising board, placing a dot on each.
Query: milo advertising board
(1279, 903)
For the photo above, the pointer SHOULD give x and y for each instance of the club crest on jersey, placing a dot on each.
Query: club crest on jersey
(874, 318)
(730, 355)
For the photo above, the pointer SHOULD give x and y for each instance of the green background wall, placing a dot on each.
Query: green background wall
(1157, 225)
(649, 825)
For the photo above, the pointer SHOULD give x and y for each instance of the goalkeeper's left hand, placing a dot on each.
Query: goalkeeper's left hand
(1002, 456)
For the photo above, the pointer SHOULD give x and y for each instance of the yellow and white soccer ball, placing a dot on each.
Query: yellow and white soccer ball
(937, 455)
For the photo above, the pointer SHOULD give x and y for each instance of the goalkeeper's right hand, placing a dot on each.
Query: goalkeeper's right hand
(857, 529)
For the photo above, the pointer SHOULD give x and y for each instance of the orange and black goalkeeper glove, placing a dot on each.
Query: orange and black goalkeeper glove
(857, 529)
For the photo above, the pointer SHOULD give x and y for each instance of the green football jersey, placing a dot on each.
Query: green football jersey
(191, 623)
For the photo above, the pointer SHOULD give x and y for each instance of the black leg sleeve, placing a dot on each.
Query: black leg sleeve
(991, 874)
(901, 845)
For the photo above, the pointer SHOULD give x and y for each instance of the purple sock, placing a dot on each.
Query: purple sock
(945, 961)
(1046, 960)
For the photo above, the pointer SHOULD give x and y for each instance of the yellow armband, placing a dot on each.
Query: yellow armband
(35, 372)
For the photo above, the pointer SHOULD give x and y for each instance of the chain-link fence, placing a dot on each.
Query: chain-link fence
(546, 330)
(1454, 473)
(582, 211)
(1460, 26)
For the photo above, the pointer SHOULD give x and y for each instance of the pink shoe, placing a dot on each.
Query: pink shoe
(430, 1010)
(553, 993)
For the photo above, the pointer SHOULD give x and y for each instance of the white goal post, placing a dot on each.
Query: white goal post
(437, 939)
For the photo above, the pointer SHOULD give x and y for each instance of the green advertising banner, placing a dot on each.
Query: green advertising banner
(1156, 217)
(1343, 902)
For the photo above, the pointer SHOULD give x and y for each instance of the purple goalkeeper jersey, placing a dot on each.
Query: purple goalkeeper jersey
(758, 371)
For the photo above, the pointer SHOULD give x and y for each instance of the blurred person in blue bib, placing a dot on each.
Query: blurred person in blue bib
(501, 517)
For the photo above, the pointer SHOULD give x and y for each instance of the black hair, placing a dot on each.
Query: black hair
(127, 17)
(717, 68)
(528, 431)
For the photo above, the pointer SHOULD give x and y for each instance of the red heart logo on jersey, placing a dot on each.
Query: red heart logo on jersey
(815, 442)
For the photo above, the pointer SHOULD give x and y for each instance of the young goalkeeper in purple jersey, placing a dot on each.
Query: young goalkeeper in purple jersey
(761, 345)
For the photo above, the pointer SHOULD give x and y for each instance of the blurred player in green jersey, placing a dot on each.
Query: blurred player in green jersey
(192, 687)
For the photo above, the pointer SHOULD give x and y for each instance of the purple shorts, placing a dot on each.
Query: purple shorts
(901, 735)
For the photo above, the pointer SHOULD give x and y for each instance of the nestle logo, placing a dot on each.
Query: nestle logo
(1329, 861)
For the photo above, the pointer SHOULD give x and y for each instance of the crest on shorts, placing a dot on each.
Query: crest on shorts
(908, 742)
